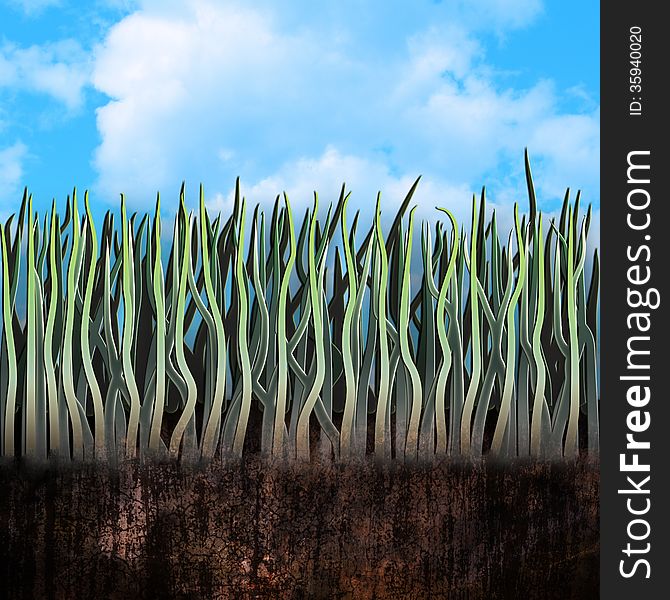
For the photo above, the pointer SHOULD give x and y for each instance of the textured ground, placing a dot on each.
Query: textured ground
(253, 530)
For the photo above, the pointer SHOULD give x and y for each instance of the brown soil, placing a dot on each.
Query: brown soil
(254, 530)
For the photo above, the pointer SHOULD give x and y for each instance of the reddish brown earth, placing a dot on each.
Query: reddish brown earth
(254, 530)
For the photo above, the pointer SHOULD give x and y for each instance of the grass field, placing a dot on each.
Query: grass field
(400, 339)
(259, 406)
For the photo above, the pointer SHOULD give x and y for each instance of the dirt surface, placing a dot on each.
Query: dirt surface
(256, 530)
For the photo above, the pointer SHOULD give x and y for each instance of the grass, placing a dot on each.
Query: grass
(235, 344)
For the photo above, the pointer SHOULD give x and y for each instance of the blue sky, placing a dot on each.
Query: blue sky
(136, 96)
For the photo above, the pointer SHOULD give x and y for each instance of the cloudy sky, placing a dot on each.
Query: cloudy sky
(136, 96)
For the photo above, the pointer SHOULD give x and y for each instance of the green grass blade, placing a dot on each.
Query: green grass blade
(382, 428)
(96, 394)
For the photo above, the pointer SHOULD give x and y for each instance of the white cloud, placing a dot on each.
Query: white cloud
(364, 178)
(180, 83)
(467, 124)
(433, 55)
(11, 173)
(570, 147)
(60, 70)
(210, 91)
